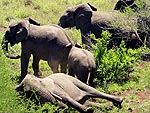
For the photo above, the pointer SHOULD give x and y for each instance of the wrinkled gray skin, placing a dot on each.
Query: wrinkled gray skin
(66, 89)
(89, 21)
(48, 42)
(79, 16)
(81, 63)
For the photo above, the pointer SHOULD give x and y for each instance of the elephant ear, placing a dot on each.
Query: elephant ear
(82, 17)
(22, 31)
(92, 7)
(32, 21)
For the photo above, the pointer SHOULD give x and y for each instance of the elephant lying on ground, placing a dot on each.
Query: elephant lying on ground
(88, 21)
(48, 42)
(65, 89)
(81, 63)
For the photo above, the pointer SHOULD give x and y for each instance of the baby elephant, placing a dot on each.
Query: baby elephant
(82, 64)
(65, 89)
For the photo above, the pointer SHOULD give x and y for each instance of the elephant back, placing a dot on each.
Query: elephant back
(61, 35)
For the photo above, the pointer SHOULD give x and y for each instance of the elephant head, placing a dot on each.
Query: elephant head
(17, 32)
(79, 17)
(69, 17)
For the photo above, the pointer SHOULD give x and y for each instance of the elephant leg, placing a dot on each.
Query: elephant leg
(70, 102)
(35, 66)
(92, 92)
(82, 74)
(63, 67)
(86, 36)
(53, 63)
(71, 71)
(24, 65)
(86, 40)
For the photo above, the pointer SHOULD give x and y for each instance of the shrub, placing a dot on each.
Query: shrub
(113, 65)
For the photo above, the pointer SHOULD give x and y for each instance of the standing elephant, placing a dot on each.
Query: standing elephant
(65, 89)
(48, 42)
(69, 19)
(89, 21)
(81, 63)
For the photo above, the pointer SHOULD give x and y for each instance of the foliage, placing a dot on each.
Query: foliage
(47, 12)
(113, 65)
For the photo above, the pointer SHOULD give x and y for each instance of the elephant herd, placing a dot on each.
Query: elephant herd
(49, 43)
(52, 44)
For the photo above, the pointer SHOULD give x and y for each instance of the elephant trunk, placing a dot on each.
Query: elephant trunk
(4, 45)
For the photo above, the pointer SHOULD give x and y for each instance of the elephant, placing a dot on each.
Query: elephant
(68, 20)
(122, 4)
(66, 90)
(47, 42)
(90, 21)
(81, 63)
(142, 21)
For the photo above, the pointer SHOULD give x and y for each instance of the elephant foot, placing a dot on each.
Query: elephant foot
(20, 79)
(118, 103)
(89, 110)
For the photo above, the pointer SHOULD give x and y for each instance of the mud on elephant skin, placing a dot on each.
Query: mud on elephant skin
(47, 42)
(65, 89)
(81, 64)
(89, 21)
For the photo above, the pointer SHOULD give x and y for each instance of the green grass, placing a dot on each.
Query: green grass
(47, 12)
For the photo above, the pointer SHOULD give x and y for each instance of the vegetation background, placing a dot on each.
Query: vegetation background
(136, 91)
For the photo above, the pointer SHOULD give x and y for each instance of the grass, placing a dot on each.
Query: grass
(46, 12)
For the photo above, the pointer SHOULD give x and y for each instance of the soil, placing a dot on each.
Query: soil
(142, 97)
(3, 28)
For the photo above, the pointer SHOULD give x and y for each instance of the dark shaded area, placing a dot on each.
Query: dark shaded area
(122, 4)
(145, 57)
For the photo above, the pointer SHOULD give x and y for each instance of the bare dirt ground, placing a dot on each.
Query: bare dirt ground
(3, 28)
(139, 100)
(143, 98)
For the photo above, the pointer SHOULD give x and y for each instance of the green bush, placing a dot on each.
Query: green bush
(113, 65)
